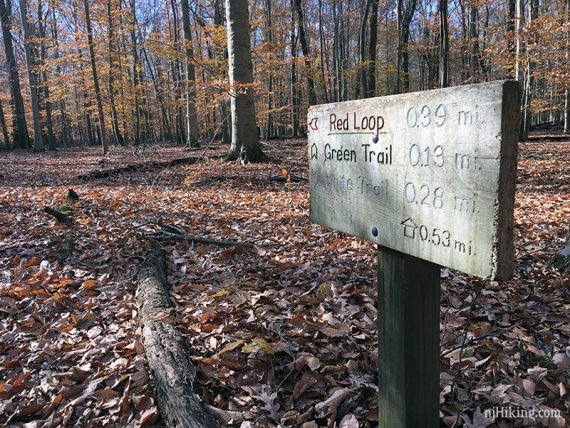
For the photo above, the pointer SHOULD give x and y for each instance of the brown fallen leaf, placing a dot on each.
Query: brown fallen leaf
(332, 332)
(330, 405)
(349, 421)
(306, 381)
(149, 416)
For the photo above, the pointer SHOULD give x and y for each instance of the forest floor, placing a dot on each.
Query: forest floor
(283, 334)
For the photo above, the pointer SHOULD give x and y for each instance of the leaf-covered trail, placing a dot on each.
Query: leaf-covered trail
(282, 334)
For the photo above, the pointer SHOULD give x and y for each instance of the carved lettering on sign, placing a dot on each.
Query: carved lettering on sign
(430, 174)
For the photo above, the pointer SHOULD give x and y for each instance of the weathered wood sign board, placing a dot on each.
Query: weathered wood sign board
(430, 174)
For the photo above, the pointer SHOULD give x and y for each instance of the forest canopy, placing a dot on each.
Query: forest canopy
(129, 67)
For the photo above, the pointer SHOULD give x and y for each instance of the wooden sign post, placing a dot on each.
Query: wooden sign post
(429, 177)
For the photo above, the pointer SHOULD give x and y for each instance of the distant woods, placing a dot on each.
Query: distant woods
(128, 72)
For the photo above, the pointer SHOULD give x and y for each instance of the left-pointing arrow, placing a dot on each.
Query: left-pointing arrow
(313, 124)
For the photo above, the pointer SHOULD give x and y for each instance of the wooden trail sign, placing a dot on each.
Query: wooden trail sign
(430, 177)
(430, 174)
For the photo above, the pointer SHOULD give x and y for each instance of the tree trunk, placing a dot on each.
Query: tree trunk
(245, 145)
(100, 111)
(345, 49)
(363, 51)
(45, 80)
(511, 34)
(443, 45)
(529, 79)
(405, 16)
(48, 106)
(177, 77)
(32, 76)
(322, 52)
(114, 117)
(294, 98)
(372, 42)
(67, 137)
(4, 127)
(336, 56)
(159, 97)
(191, 116)
(224, 113)
(519, 24)
(19, 127)
(269, 39)
(475, 59)
(136, 74)
(305, 49)
(567, 92)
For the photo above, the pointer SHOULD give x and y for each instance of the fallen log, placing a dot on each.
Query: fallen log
(167, 352)
(201, 240)
(137, 167)
(171, 232)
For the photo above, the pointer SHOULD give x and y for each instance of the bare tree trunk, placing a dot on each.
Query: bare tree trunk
(19, 127)
(224, 113)
(567, 111)
(399, 53)
(336, 55)
(443, 45)
(48, 107)
(294, 98)
(4, 127)
(294, 89)
(191, 116)
(305, 49)
(567, 92)
(345, 48)
(104, 143)
(159, 97)
(519, 24)
(405, 16)
(322, 52)
(373, 41)
(88, 124)
(66, 134)
(363, 51)
(32, 76)
(511, 18)
(177, 76)
(269, 39)
(529, 79)
(475, 59)
(45, 80)
(114, 117)
(136, 74)
(245, 145)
